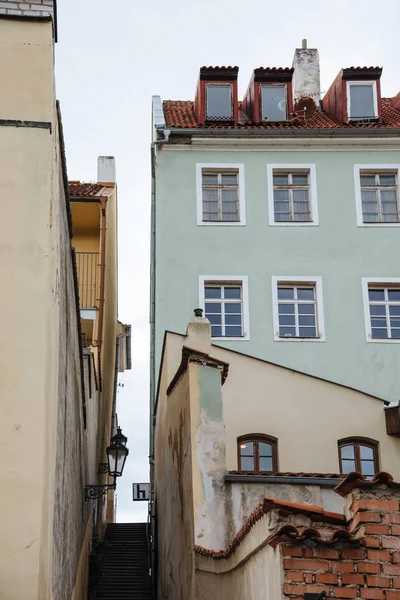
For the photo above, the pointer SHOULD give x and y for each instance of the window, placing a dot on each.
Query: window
(219, 103)
(361, 100)
(379, 197)
(273, 103)
(257, 453)
(292, 195)
(358, 454)
(225, 303)
(384, 311)
(220, 194)
(297, 306)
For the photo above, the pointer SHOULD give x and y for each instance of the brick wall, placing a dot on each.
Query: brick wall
(367, 568)
(36, 8)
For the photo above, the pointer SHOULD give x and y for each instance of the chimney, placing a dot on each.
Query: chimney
(306, 79)
(106, 169)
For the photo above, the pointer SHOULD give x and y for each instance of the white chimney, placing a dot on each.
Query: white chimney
(106, 169)
(306, 78)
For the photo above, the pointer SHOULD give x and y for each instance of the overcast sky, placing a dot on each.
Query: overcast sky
(112, 56)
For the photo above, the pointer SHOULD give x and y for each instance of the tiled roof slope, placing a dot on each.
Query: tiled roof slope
(78, 189)
(180, 114)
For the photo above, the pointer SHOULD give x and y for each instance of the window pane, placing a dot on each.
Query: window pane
(219, 102)
(366, 453)
(210, 207)
(233, 308)
(229, 195)
(286, 309)
(379, 333)
(233, 319)
(307, 332)
(367, 180)
(301, 196)
(210, 194)
(282, 217)
(390, 218)
(281, 207)
(347, 451)
(394, 311)
(376, 295)
(216, 331)
(281, 179)
(287, 320)
(247, 448)
(280, 195)
(307, 321)
(367, 467)
(210, 179)
(229, 179)
(361, 101)
(396, 333)
(389, 196)
(233, 331)
(348, 466)
(299, 179)
(213, 307)
(247, 464)
(214, 319)
(287, 331)
(381, 322)
(286, 293)
(306, 309)
(394, 295)
(377, 309)
(395, 322)
(232, 292)
(266, 463)
(212, 292)
(264, 449)
(305, 293)
(387, 180)
(371, 217)
(273, 104)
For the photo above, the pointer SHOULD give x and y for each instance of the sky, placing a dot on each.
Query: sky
(112, 56)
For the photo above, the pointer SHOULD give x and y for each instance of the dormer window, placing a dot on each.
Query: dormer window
(273, 103)
(219, 104)
(362, 100)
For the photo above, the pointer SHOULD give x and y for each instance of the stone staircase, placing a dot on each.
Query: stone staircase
(122, 565)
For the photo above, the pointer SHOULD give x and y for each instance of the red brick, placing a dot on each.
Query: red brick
(391, 518)
(302, 564)
(326, 553)
(341, 592)
(352, 578)
(368, 517)
(371, 542)
(366, 567)
(291, 589)
(392, 595)
(291, 551)
(375, 581)
(390, 569)
(371, 594)
(374, 504)
(326, 578)
(294, 576)
(308, 577)
(396, 557)
(391, 542)
(396, 582)
(343, 567)
(373, 529)
(353, 553)
(395, 529)
(382, 555)
(308, 553)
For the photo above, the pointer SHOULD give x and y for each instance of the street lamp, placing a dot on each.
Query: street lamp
(117, 453)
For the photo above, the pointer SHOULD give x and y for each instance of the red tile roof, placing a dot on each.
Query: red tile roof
(180, 114)
(357, 480)
(289, 474)
(87, 190)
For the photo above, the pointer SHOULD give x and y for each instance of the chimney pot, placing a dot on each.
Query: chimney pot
(198, 312)
(106, 169)
(304, 44)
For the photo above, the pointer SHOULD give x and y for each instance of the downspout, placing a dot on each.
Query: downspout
(151, 516)
(103, 230)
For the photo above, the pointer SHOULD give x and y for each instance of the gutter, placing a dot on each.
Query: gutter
(289, 132)
(321, 481)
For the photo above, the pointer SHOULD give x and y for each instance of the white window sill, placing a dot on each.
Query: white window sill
(383, 340)
(384, 225)
(278, 338)
(294, 224)
(222, 223)
(244, 338)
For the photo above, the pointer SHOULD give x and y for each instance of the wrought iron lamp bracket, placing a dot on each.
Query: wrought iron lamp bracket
(93, 492)
(102, 468)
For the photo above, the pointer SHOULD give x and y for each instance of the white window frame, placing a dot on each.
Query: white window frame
(270, 85)
(377, 168)
(366, 282)
(375, 98)
(218, 84)
(241, 194)
(296, 280)
(224, 279)
(313, 198)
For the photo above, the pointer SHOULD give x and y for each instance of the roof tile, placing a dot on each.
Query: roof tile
(78, 189)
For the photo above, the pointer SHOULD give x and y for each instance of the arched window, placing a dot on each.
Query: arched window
(358, 454)
(257, 453)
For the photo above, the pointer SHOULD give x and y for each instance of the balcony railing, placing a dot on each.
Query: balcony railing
(88, 277)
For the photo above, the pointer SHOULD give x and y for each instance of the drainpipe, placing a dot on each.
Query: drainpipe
(103, 229)
(151, 516)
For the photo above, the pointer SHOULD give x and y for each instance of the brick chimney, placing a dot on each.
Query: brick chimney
(35, 8)
(306, 77)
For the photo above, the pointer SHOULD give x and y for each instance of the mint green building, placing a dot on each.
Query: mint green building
(279, 216)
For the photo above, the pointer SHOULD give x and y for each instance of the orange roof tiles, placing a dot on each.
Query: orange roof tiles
(357, 480)
(180, 114)
(80, 190)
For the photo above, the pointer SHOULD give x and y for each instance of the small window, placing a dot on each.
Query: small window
(292, 196)
(219, 103)
(379, 197)
(384, 311)
(220, 194)
(297, 311)
(223, 304)
(273, 103)
(257, 453)
(362, 103)
(359, 455)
